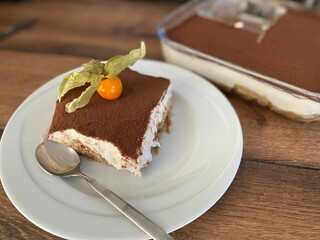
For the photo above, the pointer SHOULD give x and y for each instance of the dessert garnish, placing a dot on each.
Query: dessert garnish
(110, 88)
(101, 77)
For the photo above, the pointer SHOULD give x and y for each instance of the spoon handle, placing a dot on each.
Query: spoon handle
(129, 211)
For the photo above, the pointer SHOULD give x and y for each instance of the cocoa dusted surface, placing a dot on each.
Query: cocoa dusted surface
(290, 51)
(123, 121)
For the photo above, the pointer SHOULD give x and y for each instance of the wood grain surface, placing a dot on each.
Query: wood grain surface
(276, 193)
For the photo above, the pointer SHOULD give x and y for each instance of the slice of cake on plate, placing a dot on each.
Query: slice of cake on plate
(120, 132)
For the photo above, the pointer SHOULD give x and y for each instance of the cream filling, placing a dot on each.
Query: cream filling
(109, 152)
(229, 78)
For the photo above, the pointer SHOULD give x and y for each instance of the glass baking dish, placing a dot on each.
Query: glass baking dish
(254, 16)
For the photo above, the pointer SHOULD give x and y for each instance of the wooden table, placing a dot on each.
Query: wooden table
(276, 193)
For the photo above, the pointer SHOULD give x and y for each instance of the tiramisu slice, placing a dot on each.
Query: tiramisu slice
(121, 132)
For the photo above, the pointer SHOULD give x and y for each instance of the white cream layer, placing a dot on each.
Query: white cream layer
(110, 152)
(229, 78)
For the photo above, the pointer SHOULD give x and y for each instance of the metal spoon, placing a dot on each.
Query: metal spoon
(61, 160)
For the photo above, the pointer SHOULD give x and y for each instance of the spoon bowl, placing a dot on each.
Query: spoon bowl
(61, 160)
(57, 159)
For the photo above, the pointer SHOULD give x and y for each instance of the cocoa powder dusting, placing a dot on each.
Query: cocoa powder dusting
(290, 51)
(123, 121)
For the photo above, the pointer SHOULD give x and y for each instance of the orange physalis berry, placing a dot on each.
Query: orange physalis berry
(110, 89)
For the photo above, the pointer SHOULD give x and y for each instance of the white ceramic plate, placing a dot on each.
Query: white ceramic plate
(196, 164)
